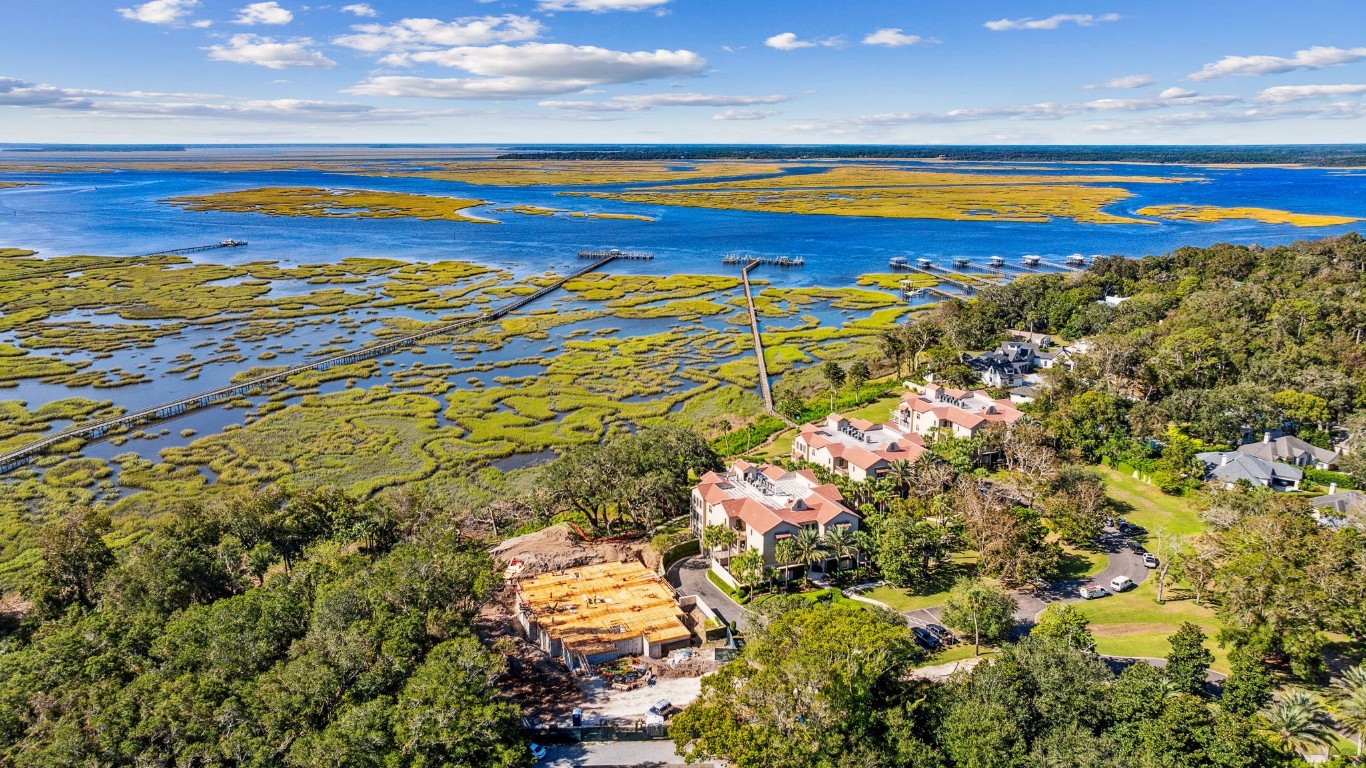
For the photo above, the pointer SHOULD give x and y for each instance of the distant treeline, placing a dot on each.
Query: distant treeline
(1305, 154)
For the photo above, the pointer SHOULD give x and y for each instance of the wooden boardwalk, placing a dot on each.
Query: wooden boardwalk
(21, 456)
(120, 261)
(764, 391)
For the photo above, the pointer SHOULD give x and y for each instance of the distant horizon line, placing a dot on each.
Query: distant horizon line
(29, 145)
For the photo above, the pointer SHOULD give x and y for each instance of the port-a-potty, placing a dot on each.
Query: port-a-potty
(577, 717)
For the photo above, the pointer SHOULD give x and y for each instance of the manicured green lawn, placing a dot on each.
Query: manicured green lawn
(1133, 624)
(902, 600)
(878, 411)
(1149, 507)
(1080, 563)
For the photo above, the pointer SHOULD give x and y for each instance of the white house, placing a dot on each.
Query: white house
(962, 413)
(856, 448)
(765, 504)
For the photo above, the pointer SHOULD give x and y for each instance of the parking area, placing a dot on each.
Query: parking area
(601, 702)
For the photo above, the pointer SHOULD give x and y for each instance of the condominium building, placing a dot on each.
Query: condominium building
(856, 448)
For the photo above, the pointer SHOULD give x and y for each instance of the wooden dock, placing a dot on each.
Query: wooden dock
(774, 261)
(765, 391)
(21, 456)
(615, 254)
(119, 261)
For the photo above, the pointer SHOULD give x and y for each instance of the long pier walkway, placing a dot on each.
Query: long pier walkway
(119, 261)
(23, 455)
(764, 391)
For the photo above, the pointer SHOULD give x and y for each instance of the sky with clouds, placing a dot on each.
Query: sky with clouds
(706, 71)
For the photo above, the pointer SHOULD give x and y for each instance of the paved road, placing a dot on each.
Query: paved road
(622, 754)
(689, 577)
(1122, 562)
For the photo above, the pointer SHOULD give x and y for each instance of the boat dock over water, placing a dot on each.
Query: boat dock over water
(774, 261)
(119, 262)
(614, 253)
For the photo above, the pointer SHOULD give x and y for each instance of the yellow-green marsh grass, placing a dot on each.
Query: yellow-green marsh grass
(333, 203)
(1214, 213)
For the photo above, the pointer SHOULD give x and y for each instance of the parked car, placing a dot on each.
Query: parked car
(661, 707)
(538, 751)
(1121, 583)
(1092, 591)
(942, 633)
(1127, 528)
(926, 639)
(1149, 560)
(1135, 547)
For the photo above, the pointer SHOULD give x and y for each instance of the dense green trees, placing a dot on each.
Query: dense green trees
(813, 688)
(260, 632)
(632, 480)
(829, 687)
(981, 610)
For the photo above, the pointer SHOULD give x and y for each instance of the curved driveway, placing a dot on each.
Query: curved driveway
(689, 577)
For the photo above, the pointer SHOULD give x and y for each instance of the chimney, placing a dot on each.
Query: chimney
(1266, 437)
(1332, 488)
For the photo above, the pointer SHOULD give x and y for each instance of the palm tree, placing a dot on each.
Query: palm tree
(902, 475)
(1349, 702)
(1296, 723)
(785, 553)
(809, 548)
(840, 542)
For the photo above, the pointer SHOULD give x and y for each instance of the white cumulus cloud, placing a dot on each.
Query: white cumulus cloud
(1126, 81)
(530, 70)
(160, 11)
(263, 13)
(788, 41)
(360, 9)
(894, 37)
(744, 114)
(267, 52)
(1318, 57)
(601, 6)
(1052, 22)
(646, 101)
(1281, 94)
(428, 34)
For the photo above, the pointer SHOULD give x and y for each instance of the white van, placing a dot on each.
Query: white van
(1121, 583)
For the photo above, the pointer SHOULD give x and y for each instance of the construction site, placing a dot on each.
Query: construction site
(599, 613)
(594, 635)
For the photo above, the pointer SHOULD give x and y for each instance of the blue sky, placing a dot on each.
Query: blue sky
(788, 71)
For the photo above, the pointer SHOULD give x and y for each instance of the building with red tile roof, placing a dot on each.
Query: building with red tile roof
(963, 413)
(765, 504)
(856, 448)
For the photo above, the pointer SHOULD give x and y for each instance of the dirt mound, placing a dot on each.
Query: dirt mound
(560, 547)
(549, 549)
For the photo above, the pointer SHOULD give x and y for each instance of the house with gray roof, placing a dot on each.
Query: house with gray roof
(1228, 467)
(1339, 509)
(1291, 450)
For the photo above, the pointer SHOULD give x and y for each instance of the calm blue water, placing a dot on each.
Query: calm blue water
(120, 213)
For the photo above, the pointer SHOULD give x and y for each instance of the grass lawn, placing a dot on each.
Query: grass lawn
(1132, 624)
(1080, 563)
(1145, 505)
(955, 653)
(902, 600)
(780, 448)
(878, 411)
(964, 567)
